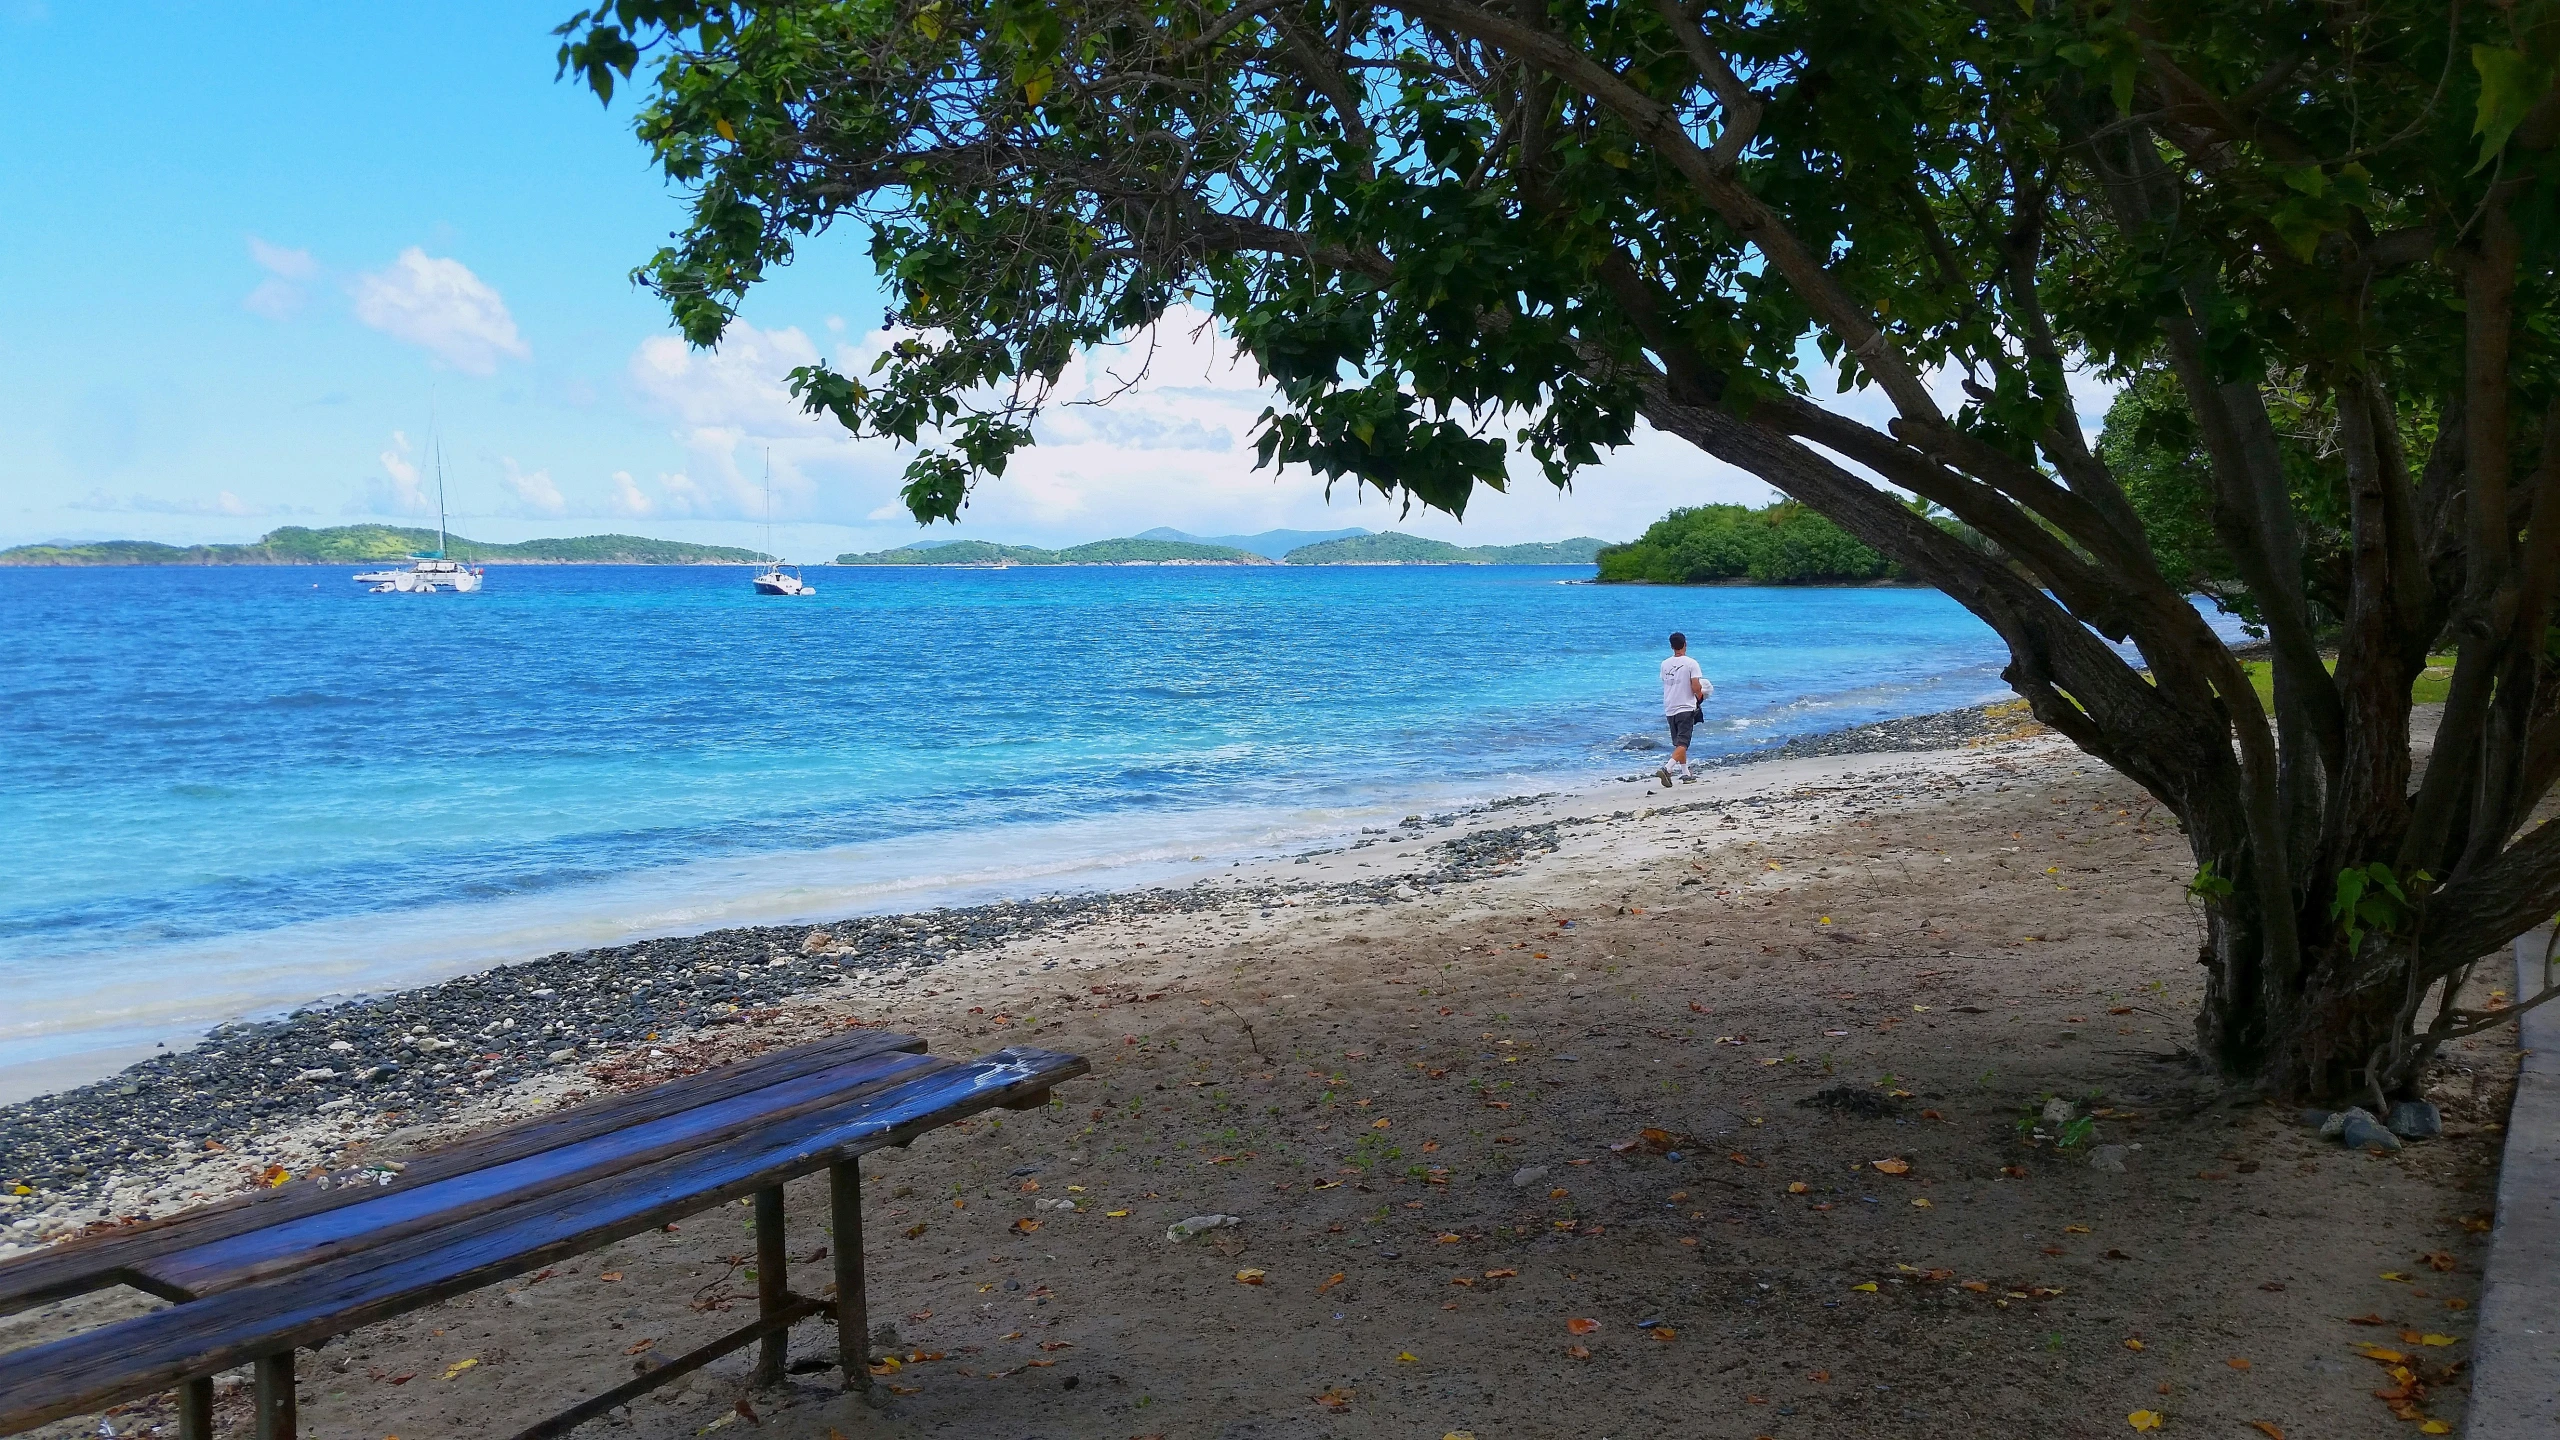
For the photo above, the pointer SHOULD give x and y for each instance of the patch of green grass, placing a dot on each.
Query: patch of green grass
(2430, 687)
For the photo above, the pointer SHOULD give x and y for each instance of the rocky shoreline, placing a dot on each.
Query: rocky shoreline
(423, 1056)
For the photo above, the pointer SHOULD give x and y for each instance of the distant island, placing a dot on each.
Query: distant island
(1131, 551)
(1274, 544)
(374, 544)
(366, 544)
(1392, 548)
(1159, 547)
(1779, 544)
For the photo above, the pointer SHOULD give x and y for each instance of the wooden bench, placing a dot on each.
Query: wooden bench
(257, 1277)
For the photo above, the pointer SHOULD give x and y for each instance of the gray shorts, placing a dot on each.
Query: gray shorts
(1683, 725)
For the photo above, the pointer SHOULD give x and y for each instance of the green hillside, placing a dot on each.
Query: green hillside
(1392, 548)
(1123, 552)
(1780, 544)
(1099, 552)
(1580, 550)
(372, 544)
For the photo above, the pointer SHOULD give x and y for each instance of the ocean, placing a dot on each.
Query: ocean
(231, 791)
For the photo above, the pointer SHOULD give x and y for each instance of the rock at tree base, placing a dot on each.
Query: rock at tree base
(2109, 1158)
(1528, 1175)
(2415, 1120)
(2362, 1132)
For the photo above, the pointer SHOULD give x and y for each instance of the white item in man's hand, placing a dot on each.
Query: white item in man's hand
(1677, 696)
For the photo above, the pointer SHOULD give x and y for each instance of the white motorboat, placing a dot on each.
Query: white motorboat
(428, 573)
(773, 581)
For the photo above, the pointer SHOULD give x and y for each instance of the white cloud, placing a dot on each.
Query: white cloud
(280, 294)
(733, 413)
(534, 492)
(441, 307)
(1171, 447)
(396, 490)
(629, 499)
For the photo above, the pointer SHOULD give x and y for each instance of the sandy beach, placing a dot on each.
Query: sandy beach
(1624, 1056)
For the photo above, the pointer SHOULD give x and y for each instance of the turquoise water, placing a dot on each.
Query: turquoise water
(242, 788)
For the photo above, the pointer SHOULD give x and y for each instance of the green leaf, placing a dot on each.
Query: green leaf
(2509, 84)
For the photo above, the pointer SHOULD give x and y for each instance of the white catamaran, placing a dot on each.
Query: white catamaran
(431, 572)
(773, 581)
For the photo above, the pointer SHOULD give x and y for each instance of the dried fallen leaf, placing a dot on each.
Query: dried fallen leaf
(2268, 1428)
(639, 1345)
(2438, 1260)
(2435, 1427)
(458, 1366)
(2377, 1352)
(1501, 1274)
(2144, 1419)
(1335, 1399)
(914, 1230)
(1819, 1376)
(1797, 1187)
(1338, 1278)
(1116, 1214)
(1665, 1332)
(2368, 1320)
(2236, 1363)
(1868, 1286)
(1580, 1326)
(1577, 1352)
(1249, 1277)
(1893, 1166)
(2075, 1229)
(2131, 1344)
(1407, 1357)
(2434, 1339)
(1978, 1287)
(1025, 1226)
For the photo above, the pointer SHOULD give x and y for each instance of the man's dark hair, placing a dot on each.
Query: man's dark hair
(1679, 641)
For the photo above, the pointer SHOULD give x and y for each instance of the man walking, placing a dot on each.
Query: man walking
(1684, 697)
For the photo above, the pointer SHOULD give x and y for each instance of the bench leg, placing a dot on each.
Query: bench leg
(276, 1419)
(773, 1284)
(853, 1314)
(195, 1409)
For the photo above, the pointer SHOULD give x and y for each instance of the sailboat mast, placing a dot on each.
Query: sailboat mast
(439, 497)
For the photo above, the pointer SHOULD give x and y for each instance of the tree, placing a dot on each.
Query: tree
(1782, 544)
(1452, 230)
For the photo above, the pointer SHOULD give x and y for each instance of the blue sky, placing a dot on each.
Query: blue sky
(252, 249)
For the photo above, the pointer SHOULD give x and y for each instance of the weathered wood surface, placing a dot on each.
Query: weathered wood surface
(154, 1352)
(410, 1207)
(99, 1261)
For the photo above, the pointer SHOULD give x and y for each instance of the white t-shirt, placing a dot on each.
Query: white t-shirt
(1677, 672)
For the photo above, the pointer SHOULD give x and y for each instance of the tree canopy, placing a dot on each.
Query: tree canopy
(1857, 249)
(1781, 544)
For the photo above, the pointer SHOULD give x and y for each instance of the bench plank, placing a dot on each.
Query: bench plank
(399, 1210)
(77, 1266)
(153, 1352)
